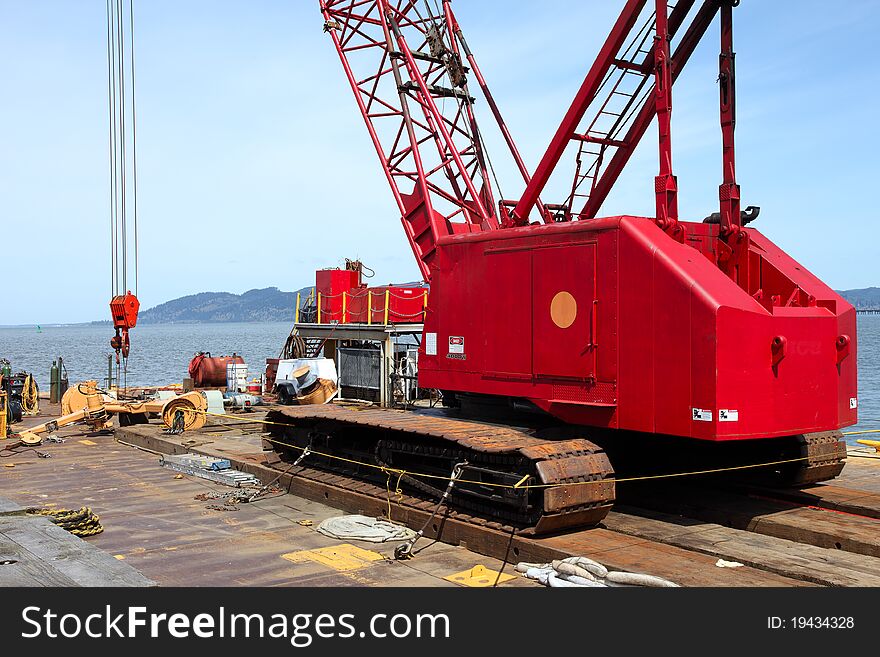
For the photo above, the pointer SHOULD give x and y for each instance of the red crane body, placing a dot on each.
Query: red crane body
(611, 323)
(652, 324)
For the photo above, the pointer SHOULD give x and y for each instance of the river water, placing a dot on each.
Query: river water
(160, 353)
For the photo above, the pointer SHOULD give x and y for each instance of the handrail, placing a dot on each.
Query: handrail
(347, 315)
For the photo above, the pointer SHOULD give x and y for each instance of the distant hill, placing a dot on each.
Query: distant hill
(267, 305)
(273, 305)
(868, 297)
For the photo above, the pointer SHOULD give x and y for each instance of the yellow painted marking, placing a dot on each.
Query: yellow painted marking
(478, 576)
(341, 557)
(9, 465)
(563, 310)
(121, 557)
(87, 442)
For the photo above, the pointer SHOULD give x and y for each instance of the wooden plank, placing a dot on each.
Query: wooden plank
(65, 556)
(861, 474)
(786, 558)
(812, 526)
(830, 496)
(27, 570)
(8, 506)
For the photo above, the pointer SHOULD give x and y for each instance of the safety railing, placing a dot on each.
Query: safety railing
(360, 308)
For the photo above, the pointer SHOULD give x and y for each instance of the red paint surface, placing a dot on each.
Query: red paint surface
(660, 330)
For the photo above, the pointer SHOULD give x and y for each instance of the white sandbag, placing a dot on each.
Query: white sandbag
(364, 528)
(523, 566)
(593, 567)
(638, 579)
(564, 568)
(556, 582)
(539, 574)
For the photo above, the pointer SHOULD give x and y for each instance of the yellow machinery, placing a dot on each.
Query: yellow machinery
(84, 403)
(3, 412)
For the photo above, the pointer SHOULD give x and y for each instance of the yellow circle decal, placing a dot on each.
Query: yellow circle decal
(563, 310)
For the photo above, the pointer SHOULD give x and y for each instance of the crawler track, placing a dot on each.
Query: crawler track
(496, 457)
(825, 455)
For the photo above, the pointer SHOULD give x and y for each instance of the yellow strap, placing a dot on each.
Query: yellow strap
(519, 485)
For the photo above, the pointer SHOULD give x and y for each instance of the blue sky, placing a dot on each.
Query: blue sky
(255, 168)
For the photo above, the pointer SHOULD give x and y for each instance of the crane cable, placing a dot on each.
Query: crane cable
(122, 129)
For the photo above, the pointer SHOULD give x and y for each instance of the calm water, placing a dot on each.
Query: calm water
(161, 353)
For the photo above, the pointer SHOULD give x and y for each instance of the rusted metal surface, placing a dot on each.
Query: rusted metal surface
(680, 548)
(563, 467)
(617, 551)
(153, 523)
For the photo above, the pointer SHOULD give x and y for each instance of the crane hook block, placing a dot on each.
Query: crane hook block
(124, 310)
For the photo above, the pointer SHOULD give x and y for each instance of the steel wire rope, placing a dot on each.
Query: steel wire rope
(111, 98)
(123, 162)
(521, 485)
(134, 145)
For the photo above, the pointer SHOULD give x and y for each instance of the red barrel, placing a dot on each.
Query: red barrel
(210, 371)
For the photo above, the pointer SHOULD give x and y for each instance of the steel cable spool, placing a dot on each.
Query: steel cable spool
(185, 412)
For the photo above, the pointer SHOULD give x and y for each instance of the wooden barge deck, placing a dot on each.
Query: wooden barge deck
(824, 536)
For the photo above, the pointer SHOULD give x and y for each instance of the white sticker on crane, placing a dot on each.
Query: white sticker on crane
(853, 403)
(430, 344)
(727, 415)
(456, 344)
(702, 415)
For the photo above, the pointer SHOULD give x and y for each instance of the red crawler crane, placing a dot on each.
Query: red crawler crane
(702, 330)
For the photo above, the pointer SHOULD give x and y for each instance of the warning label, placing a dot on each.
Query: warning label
(456, 344)
(430, 344)
(727, 415)
(702, 415)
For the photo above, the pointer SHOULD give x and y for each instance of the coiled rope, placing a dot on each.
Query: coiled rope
(81, 522)
(30, 396)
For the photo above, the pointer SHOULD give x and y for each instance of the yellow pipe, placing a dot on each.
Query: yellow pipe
(344, 306)
(387, 299)
(369, 307)
(319, 307)
(425, 309)
(2, 415)
(296, 316)
(870, 443)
